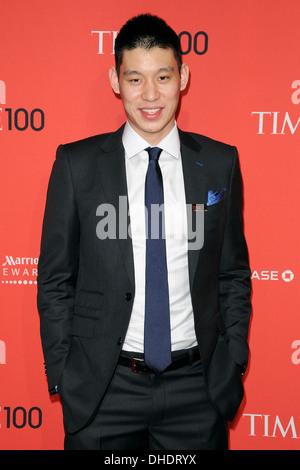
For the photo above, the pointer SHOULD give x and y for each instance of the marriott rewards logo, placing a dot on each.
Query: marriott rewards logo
(19, 270)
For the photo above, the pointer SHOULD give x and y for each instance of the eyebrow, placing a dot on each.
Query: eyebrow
(136, 72)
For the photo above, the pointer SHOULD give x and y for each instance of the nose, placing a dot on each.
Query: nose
(150, 91)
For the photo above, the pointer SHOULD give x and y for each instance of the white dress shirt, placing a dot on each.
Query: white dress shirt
(181, 312)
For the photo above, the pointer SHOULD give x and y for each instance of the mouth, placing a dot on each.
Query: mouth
(151, 113)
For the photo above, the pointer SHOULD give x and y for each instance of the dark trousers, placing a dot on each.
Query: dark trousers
(149, 412)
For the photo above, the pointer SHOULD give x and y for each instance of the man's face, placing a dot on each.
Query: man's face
(149, 84)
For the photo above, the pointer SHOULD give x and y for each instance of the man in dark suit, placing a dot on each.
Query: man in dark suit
(144, 321)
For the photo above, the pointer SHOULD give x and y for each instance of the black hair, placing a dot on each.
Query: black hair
(146, 31)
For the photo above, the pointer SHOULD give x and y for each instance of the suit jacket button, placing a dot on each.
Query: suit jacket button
(128, 296)
(120, 340)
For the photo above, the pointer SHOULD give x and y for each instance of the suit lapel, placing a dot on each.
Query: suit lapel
(111, 166)
(194, 174)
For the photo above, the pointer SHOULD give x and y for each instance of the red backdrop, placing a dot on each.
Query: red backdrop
(244, 90)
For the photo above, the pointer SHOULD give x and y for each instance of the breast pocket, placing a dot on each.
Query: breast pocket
(215, 217)
(219, 207)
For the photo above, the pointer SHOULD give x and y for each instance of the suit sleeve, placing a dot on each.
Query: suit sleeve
(234, 272)
(58, 267)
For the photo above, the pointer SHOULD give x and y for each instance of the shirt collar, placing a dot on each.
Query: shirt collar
(134, 143)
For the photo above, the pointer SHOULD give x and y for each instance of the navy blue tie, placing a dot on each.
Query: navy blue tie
(157, 338)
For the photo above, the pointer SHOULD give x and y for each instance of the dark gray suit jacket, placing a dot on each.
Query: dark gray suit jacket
(86, 285)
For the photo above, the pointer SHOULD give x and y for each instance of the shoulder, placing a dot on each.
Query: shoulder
(92, 145)
(204, 142)
(214, 153)
(80, 157)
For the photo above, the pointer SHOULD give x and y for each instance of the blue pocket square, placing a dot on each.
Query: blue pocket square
(215, 197)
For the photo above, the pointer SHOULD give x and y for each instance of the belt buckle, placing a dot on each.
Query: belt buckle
(134, 365)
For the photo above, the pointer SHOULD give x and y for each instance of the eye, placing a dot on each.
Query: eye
(135, 82)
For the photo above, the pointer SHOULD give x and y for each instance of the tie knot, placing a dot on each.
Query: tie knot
(154, 152)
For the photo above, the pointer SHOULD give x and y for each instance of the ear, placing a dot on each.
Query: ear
(184, 76)
(114, 80)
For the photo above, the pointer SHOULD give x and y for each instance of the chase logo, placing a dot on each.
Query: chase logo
(287, 275)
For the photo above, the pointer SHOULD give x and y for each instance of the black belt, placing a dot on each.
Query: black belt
(139, 367)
